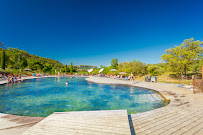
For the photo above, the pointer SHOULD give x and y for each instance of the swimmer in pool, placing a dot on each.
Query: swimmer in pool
(66, 82)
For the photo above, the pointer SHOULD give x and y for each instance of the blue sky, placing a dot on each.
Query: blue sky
(93, 32)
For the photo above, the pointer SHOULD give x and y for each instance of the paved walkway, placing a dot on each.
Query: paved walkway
(113, 122)
(183, 115)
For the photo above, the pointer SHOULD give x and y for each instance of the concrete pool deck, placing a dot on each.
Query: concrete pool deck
(183, 115)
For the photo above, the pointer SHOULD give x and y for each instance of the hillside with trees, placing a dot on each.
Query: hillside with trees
(13, 60)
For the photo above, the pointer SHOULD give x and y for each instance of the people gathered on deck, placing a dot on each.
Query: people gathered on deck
(113, 76)
(12, 78)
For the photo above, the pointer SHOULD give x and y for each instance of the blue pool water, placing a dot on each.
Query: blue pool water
(43, 96)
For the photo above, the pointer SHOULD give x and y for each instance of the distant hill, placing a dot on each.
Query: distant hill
(19, 59)
(16, 59)
(85, 67)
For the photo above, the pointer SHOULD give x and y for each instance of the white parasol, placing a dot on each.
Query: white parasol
(90, 70)
(122, 73)
(101, 70)
(113, 70)
(27, 69)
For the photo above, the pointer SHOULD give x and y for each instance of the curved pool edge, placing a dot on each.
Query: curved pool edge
(126, 83)
(184, 107)
(110, 81)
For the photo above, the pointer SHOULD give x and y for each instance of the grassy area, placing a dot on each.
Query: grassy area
(165, 78)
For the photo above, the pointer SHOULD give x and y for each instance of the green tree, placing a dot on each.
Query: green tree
(47, 68)
(155, 70)
(106, 69)
(66, 68)
(95, 71)
(124, 67)
(180, 58)
(139, 68)
(71, 68)
(3, 60)
(23, 62)
(114, 64)
(136, 67)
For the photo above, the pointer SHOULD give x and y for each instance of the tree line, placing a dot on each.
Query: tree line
(187, 57)
(180, 60)
(13, 60)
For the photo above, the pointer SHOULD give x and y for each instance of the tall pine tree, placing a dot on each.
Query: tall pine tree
(3, 60)
(71, 68)
(66, 69)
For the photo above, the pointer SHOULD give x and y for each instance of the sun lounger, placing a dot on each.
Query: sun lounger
(153, 79)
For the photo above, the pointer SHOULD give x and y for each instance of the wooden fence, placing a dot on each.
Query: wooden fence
(198, 84)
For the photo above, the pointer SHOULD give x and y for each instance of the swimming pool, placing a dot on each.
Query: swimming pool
(43, 96)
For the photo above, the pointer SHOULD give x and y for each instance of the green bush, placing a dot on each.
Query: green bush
(155, 70)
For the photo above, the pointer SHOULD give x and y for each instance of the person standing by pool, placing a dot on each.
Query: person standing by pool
(8, 79)
(131, 77)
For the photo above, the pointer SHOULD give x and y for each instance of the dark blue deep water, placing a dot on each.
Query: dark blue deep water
(43, 96)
